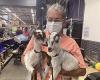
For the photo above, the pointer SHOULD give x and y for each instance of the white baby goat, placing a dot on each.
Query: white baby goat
(34, 57)
(59, 57)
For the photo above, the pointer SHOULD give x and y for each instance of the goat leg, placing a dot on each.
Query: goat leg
(34, 75)
(55, 73)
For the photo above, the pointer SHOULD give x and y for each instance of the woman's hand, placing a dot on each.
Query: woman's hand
(77, 72)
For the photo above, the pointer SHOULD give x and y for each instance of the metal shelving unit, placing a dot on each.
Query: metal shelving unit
(5, 62)
(5, 54)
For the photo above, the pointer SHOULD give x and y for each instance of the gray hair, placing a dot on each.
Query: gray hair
(59, 8)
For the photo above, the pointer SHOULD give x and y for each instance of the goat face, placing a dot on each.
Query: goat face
(53, 41)
(39, 35)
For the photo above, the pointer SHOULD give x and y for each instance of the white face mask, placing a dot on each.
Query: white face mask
(54, 26)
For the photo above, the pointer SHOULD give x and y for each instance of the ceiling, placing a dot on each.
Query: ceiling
(24, 13)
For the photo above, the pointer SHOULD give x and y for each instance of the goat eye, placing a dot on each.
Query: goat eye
(56, 38)
(52, 42)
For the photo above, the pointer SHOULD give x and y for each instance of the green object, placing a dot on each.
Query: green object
(93, 65)
(14, 29)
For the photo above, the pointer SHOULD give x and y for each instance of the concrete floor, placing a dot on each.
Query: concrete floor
(13, 72)
(19, 72)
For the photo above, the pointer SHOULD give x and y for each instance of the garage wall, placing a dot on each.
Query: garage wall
(91, 26)
(75, 9)
(91, 30)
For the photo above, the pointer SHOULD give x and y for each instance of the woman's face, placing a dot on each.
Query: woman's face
(54, 21)
(54, 15)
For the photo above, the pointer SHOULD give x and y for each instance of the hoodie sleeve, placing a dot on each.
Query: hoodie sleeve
(72, 47)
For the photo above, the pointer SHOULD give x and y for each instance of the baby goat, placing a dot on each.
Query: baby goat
(33, 59)
(59, 57)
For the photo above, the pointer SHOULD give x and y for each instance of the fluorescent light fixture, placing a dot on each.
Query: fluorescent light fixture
(42, 8)
(33, 15)
(32, 11)
(3, 11)
(14, 15)
(18, 17)
(8, 9)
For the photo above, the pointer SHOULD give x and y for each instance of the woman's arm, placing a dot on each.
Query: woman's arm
(72, 47)
(77, 72)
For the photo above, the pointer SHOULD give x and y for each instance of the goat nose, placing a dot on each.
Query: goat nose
(50, 49)
(45, 44)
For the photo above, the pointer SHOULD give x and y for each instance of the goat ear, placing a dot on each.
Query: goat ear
(34, 32)
(44, 35)
(57, 38)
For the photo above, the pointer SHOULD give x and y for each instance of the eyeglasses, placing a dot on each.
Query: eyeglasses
(54, 19)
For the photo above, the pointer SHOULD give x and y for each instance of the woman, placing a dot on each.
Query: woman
(55, 23)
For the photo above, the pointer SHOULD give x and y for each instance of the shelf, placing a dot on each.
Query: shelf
(2, 65)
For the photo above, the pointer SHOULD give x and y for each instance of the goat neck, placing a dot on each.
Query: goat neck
(37, 45)
(58, 49)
